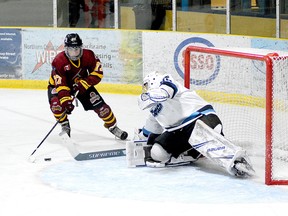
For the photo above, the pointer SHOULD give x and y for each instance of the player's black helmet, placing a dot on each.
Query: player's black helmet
(73, 46)
(73, 40)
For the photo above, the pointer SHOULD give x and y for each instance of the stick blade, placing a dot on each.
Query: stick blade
(32, 159)
(100, 154)
(70, 145)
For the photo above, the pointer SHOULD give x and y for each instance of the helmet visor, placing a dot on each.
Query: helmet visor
(73, 51)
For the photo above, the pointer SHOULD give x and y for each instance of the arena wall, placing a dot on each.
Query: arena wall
(127, 55)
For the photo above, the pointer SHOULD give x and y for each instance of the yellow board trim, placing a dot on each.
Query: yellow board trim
(235, 99)
(226, 98)
(101, 87)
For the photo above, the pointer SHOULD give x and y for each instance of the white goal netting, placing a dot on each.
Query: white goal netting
(252, 106)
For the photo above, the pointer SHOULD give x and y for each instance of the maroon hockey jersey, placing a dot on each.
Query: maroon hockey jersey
(66, 72)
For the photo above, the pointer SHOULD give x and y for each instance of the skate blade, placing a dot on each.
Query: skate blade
(247, 170)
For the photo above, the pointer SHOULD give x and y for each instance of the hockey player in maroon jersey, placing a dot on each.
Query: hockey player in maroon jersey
(78, 70)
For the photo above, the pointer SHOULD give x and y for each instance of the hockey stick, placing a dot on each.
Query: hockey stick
(70, 145)
(31, 158)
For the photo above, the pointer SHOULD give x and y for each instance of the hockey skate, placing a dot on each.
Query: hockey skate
(242, 168)
(118, 132)
(65, 128)
(182, 159)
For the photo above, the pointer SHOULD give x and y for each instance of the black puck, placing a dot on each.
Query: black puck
(47, 159)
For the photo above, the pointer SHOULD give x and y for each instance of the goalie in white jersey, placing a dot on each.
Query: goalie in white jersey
(175, 130)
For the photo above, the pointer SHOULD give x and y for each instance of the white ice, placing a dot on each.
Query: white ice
(64, 186)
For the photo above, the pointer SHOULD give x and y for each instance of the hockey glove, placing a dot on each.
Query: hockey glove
(81, 85)
(67, 104)
(55, 106)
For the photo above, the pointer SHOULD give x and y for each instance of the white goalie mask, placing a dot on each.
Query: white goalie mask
(152, 81)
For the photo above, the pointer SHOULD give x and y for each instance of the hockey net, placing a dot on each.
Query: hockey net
(249, 91)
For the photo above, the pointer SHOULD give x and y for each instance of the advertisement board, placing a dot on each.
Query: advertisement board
(10, 54)
(120, 52)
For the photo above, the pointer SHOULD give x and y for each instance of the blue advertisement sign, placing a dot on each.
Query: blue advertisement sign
(209, 64)
(10, 54)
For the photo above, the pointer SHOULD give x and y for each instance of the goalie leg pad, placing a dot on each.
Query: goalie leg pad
(158, 153)
(172, 162)
(216, 147)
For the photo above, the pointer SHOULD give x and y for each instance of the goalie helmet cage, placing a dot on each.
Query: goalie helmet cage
(257, 84)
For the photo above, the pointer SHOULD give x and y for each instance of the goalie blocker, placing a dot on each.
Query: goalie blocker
(204, 139)
(138, 154)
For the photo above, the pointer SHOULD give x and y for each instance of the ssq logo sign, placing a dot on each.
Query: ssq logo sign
(204, 67)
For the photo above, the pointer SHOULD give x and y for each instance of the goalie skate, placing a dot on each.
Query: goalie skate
(242, 168)
(180, 161)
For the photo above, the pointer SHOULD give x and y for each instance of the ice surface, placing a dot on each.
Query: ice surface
(64, 186)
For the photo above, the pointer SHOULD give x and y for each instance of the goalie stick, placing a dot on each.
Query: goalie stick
(78, 156)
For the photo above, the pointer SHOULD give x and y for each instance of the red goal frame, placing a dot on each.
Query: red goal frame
(269, 81)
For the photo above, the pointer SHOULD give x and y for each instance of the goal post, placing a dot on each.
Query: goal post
(249, 91)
